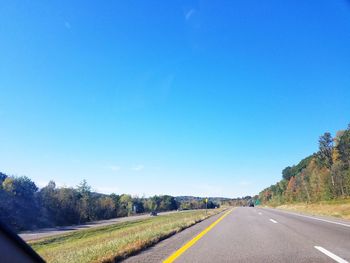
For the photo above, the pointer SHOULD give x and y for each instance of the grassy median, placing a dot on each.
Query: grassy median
(113, 242)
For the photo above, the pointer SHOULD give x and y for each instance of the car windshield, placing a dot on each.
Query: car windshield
(175, 131)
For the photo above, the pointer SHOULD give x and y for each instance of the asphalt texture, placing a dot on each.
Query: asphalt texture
(250, 234)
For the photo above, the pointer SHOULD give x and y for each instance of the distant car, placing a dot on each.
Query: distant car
(153, 213)
(251, 204)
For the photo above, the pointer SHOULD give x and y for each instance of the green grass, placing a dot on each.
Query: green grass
(113, 242)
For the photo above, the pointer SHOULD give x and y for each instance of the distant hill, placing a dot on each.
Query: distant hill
(196, 198)
(215, 201)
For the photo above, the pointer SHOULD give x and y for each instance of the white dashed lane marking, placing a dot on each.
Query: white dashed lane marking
(331, 255)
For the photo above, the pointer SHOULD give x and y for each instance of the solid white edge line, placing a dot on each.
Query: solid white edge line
(273, 221)
(331, 255)
(315, 218)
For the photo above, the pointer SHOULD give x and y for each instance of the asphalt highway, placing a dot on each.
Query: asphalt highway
(249, 234)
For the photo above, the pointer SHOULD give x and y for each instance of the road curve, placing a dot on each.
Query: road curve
(47, 232)
(259, 235)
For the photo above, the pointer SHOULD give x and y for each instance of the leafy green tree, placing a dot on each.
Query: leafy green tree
(326, 147)
(325, 153)
(83, 188)
(167, 203)
(126, 205)
(18, 203)
(116, 201)
(343, 148)
(105, 208)
(287, 173)
(48, 201)
(2, 179)
(138, 205)
(154, 203)
(68, 211)
(20, 186)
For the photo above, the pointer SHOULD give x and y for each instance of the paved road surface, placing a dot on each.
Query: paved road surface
(258, 235)
(46, 232)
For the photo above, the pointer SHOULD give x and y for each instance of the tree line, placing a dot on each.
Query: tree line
(24, 206)
(324, 175)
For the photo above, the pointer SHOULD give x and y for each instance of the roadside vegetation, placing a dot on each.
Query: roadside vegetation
(110, 243)
(336, 208)
(318, 184)
(23, 206)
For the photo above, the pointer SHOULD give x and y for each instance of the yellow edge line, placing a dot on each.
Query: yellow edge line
(181, 250)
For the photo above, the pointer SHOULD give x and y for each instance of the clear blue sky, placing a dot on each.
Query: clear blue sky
(206, 98)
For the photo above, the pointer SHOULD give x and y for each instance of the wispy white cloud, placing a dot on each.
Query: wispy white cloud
(138, 168)
(189, 13)
(67, 25)
(114, 168)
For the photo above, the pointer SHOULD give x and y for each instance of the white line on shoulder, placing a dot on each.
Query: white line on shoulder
(315, 218)
(331, 255)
